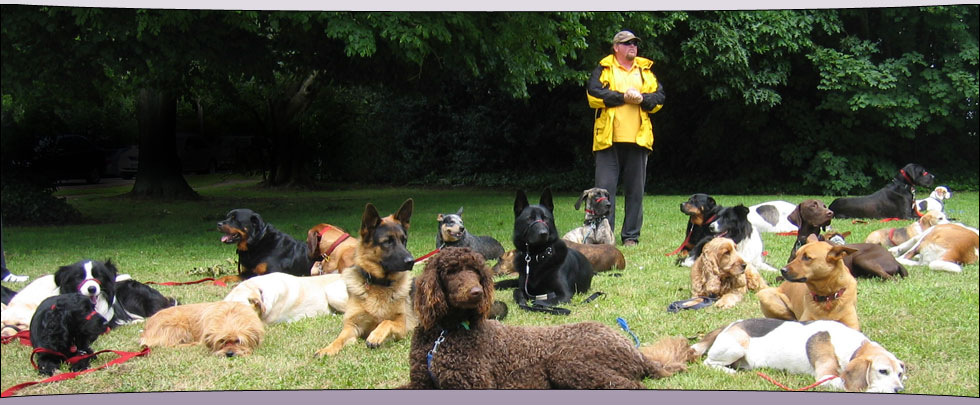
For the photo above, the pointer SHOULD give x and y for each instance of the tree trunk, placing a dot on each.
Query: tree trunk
(159, 174)
(289, 156)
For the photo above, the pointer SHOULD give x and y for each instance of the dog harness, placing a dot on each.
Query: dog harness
(527, 271)
(827, 299)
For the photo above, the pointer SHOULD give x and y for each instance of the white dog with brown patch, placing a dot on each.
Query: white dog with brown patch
(281, 297)
(824, 349)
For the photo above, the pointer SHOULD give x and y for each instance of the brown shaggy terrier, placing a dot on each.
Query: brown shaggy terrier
(455, 346)
(225, 328)
(721, 272)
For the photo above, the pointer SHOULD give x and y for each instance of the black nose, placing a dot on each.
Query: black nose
(229, 354)
(92, 290)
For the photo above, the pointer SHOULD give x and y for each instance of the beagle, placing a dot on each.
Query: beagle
(824, 349)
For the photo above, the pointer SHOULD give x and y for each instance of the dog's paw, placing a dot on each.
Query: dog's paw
(834, 383)
(327, 351)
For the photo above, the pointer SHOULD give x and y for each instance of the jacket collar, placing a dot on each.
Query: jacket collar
(639, 61)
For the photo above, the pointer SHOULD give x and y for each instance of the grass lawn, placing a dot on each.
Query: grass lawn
(929, 320)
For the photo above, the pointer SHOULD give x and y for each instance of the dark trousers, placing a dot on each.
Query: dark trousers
(630, 160)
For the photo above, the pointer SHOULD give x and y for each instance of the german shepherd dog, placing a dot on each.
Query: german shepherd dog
(379, 283)
(548, 271)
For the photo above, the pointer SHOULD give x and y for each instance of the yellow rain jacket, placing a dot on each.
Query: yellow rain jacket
(604, 97)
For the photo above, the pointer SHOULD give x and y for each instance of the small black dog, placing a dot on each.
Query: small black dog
(65, 326)
(118, 298)
(548, 271)
(452, 233)
(896, 200)
(261, 247)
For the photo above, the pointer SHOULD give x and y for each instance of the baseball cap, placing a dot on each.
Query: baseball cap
(623, 36)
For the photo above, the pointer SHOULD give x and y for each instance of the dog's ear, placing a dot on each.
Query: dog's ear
(369, 221)
(109, 265)
(742, 211)
(812, 238)
(709, 203)
(258, 227)
(404, 214)
(578, 203)
(838, 252)
(313, 243)
(459, 211)
(706, 271)
(61, 275)
(855, 375)
(486, 282)
(546, 200)
(520, 203)
(439, 218)
(430, 301)
(256, 301)
(794, 217)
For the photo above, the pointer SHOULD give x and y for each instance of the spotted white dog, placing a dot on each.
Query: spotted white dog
(824, 349)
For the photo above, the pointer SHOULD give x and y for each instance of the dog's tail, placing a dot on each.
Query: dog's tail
(701, 347)
(671, 354)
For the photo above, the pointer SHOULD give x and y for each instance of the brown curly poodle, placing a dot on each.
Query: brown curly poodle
(455, 346)
(721, 272)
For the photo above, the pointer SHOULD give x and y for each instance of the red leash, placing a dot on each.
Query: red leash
(24, 336)
(123, 357)
(427, 255)
(216, 282)
(808, 387)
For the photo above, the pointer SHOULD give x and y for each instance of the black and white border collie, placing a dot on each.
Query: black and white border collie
(117, 297)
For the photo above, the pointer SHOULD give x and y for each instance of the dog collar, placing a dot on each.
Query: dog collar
(828, 299)
(374, 280)
(538, 257)
(336, 243)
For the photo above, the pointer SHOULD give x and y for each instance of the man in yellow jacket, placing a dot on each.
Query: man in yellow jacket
(624, 91)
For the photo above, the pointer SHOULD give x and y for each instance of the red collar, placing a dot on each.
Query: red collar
(828, 299)
(335, 244)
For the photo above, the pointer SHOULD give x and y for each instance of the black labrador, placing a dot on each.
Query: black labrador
(892, 201)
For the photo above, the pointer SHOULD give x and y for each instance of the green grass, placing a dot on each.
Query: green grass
(929, 320)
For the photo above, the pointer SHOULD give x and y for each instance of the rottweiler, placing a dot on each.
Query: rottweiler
(261, 247)
(549, 273)
(379, 284)
(701, 210)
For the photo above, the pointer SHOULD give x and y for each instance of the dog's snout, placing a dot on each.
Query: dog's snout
(230, 353)
(92, 290)
(476, 291)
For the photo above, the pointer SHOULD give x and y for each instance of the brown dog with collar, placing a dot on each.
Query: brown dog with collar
(818, 286)
(331, 248)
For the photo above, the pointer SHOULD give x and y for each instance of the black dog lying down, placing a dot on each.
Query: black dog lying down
(261, 247)
(549, 273)
(895, 200)
(65, 326)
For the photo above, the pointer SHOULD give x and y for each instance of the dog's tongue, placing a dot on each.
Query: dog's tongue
(226, 239)
(94, 299)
